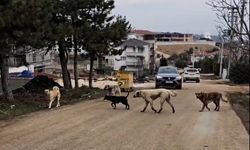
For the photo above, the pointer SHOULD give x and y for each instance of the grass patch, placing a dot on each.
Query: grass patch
(30, 102)
(240, 104)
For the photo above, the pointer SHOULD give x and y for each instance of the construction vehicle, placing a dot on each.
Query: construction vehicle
(125, 80)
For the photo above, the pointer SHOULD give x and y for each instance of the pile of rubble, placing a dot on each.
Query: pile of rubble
(37, 85)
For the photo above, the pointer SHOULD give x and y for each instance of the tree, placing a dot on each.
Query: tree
(5, 44)
(77, 15)
(105, 31)
(234, 16)
(163, 61)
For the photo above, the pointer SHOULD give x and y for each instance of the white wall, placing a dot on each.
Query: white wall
(120, 60)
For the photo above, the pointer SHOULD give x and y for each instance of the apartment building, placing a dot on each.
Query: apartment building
(137, 57)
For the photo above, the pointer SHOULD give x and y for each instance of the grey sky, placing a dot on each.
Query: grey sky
(186, 16)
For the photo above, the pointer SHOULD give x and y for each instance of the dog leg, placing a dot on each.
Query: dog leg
(50, 103)
(161, 103)
(146, 105)
(114, 106)
(202, 108)
(127, 106)
(173, 110)
(215, 108)
(58, 101)
(217, 104)
(207, 108)
(152, 106)
(218, 108)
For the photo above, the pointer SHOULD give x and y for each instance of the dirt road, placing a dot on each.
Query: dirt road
(94, 125)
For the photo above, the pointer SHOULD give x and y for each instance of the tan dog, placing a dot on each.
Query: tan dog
(53, 94)
(114, 90)
(152, 94)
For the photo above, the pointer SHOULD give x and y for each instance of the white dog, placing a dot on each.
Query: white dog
(152, 94)
(54, 94)
(114, 90)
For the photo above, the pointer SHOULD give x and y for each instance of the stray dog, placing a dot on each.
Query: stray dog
(118, 99)
(54, 94)
(150, 95)
(114, 90)
(207, 98)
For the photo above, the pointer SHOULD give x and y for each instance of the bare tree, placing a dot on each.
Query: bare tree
(234, 16)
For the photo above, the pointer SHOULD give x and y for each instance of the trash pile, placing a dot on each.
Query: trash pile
(37, 85)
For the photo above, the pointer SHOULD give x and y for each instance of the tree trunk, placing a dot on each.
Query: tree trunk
(100, 62)
(4, 68)
(75, 62)
(64, 60)
(92, 57)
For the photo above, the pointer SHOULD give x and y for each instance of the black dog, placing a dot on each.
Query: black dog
(118, 99)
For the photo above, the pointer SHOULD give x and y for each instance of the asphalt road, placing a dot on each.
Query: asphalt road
(95, 125)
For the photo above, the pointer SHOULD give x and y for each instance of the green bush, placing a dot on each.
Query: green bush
(208, 65)
(239, 72)
(163, 61)
(180, 63)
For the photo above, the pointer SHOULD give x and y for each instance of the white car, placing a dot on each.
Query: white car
(191, 74)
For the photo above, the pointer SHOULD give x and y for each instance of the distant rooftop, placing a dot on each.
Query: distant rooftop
(142, 32)
(147, 32)
(134, 42)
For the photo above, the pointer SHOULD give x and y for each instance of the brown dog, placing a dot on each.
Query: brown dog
(207, 98)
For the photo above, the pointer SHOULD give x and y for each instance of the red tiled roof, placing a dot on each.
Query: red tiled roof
(142, 32)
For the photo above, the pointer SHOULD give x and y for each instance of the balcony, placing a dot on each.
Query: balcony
(134, 63)
(135, 54)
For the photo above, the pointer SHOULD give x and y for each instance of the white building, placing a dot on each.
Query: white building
(136, 57)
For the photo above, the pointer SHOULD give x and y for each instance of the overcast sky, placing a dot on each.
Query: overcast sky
(185, 16)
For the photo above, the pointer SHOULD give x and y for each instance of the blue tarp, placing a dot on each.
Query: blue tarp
(26, 74)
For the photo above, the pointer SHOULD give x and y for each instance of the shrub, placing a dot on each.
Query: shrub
(208, 65)
(163, 61)
(180, 63)
(239, 72)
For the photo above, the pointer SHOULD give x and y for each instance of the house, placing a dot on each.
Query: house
(200, 55)
(17, 58)
(138, 56)
(43, 61)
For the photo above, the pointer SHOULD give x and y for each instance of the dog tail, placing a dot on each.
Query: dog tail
(222, 98)
(172, 93)
(127, 95)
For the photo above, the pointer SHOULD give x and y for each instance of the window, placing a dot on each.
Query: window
(123, 58)
(34, 58)
(42, 58)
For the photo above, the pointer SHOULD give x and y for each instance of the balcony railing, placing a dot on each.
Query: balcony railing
(140, 54)
(128, 63)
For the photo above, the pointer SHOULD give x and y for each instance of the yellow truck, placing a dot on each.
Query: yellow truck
(125, 80)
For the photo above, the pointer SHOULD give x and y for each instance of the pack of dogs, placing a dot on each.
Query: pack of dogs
(148, 95)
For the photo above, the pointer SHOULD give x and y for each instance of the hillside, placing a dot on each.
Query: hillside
(180, 48)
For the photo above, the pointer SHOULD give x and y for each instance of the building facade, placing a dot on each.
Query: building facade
(136, 57)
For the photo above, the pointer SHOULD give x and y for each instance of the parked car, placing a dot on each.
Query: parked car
(191, 74)
(168, 76)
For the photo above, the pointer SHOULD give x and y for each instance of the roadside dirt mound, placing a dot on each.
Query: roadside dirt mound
(37, 84)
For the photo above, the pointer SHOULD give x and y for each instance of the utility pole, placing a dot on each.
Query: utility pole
(221, 57)
(242, 14)
(231, 34)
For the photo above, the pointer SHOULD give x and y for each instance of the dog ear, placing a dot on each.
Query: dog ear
(46, 91)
